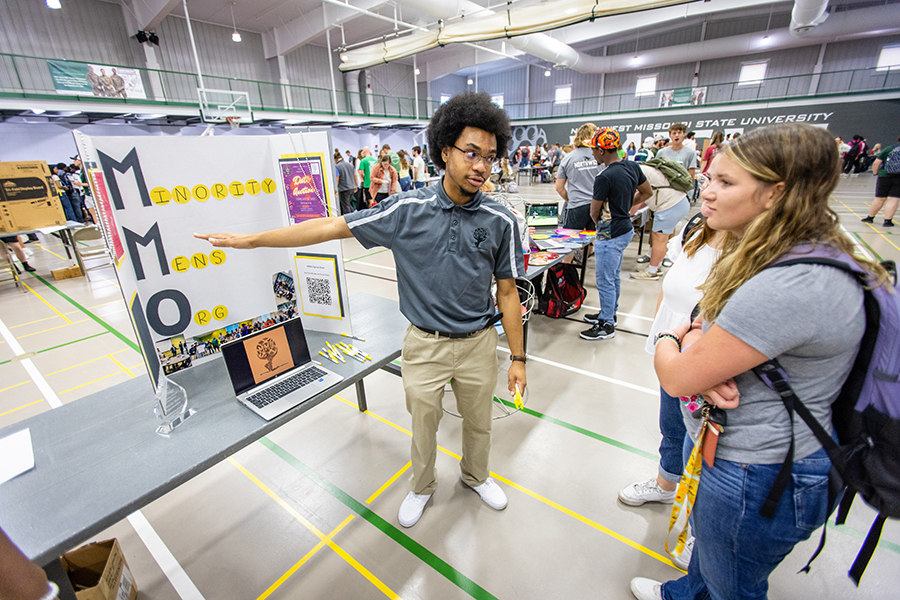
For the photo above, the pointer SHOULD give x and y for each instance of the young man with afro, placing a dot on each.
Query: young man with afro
(450, 241)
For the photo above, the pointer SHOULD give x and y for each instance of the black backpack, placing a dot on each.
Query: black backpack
(563, 292)
(865, 415)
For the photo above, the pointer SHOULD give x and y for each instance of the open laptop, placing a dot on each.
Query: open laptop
(542, 215)
(272, 372)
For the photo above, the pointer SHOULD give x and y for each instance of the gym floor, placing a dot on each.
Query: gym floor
(311, 510)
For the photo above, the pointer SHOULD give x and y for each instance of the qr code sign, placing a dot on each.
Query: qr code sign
(319, 291)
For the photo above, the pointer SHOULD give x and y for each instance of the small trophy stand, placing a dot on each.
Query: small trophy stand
(171, 404)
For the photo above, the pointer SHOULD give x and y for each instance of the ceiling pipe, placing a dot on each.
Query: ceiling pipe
(840, 25)
(807, 15)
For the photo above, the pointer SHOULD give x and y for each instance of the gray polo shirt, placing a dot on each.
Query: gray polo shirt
(579, 169)
(446, 255)
(686, 156)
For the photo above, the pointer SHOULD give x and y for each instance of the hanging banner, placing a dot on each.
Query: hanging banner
(682, 97)
(83, 79)
(186, 298)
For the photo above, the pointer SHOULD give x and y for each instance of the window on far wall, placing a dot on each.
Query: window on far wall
(753, 73)
(889, 58)
(563, 94)
(444, 98)
(498, 100)
(646, 86)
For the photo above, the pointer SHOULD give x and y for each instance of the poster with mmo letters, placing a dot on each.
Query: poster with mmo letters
(186, 297)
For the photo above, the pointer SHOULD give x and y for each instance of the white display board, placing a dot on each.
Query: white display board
(185, 297)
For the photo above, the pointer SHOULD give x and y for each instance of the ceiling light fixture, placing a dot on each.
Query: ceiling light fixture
(470, 82)
(235, 37)
(547, 73)
(54, 4)
(766, 36)
(38, 111)
(418, 72)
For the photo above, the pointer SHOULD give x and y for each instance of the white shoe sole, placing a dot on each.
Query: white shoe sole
(630, 502)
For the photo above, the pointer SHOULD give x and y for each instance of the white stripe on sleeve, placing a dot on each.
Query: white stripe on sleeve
(381, 215)
(512, 237)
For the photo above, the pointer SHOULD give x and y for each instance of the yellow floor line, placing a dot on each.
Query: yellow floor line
(21, 337)
(322, 543)
(542, 499)
(93, 381)
(44, 319)
(86, 362)
(14, 386)
(387, 483)
(312, 528)
(872, 227)
(47, 303)
(41, 246)
(120, 365)
(3, 414)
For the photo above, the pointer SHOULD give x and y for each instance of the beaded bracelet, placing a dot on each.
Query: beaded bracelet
(668, 336)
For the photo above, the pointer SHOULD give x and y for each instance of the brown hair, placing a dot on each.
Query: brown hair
(403, 164)
(717, 138)
(677, 127)
(804, 158)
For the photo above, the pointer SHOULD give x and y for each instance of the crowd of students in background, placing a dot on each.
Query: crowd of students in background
(363, 181)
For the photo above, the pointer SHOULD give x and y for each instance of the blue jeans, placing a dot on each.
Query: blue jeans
(405, 184)
(419, 184)
(67, 206)
(671, 426)
(608, 256)
(736, 548)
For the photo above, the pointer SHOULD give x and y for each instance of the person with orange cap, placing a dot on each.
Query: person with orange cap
(617, 189)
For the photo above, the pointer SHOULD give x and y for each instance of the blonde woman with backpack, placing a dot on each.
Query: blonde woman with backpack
(770, 188)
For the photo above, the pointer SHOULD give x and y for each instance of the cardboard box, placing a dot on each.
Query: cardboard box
(67, 273)
(28, 198)
(98, 571)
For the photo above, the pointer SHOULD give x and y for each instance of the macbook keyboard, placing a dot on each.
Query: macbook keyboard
(286, 386)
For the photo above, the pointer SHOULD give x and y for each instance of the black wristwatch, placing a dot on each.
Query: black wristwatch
(518, 358)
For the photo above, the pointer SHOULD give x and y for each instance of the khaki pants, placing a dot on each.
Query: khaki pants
(470, 365)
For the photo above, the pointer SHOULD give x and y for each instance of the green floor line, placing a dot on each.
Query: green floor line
(346, 260)
(72, 342)
(100, 321)
(425, 555)
(861, 535)
(602, 438)
(863, 242)
(62, 345)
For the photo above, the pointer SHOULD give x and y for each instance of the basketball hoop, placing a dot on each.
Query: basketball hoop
(234, 122)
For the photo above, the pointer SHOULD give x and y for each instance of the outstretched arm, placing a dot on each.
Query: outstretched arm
(307, 233)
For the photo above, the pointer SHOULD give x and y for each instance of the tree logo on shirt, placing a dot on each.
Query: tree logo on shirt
(480, 234)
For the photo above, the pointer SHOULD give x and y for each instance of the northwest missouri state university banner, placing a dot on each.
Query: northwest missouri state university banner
(185, 297)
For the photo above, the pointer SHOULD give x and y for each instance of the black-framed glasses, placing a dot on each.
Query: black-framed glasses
(474, 157)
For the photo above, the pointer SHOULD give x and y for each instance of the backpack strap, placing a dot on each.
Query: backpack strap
(775, 377)
(865, 553)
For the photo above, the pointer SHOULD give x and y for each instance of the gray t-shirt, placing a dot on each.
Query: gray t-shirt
(811, 318)
(686, 156)
(348, 176)
(579, 169)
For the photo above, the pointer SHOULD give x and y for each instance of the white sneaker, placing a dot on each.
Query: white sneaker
(684, 559)
(646, 589)
(645, 491)
(644, 274)
(412, 508)
(490, 492)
